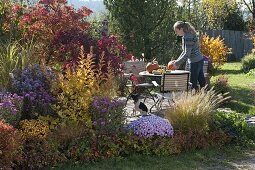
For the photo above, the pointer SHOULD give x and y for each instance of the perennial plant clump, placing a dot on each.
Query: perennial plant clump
(10, 108)
(32, 82)
(148, 126)
(75, 90)
(107, 115)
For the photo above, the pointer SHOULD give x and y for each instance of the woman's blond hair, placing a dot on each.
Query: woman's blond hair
(186, 26)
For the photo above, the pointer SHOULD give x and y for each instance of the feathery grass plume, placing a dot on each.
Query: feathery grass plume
(9, 61)
(14, 56)
(193, 111)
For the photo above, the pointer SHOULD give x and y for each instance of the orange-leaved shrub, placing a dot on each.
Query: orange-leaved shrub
(75, 89)
(10, 145)
(37, 151)
(34, 128)
(215, 49)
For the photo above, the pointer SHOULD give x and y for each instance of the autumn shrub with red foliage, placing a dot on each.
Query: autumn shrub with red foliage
(49, 17)
(10, 146)
(60, 31)
(66, 44)
(113, 51)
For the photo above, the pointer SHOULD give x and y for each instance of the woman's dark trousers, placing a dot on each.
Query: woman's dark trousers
(197, 74)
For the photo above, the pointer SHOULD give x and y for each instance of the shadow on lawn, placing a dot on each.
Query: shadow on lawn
(219, 72)
(243, 100)
(228, 157)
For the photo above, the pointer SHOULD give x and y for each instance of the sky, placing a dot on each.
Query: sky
(94, 5)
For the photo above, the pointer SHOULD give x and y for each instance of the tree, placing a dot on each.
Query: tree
(217, 10)
(192, 11)
(250, 4)
(235, 21)
(145, 26)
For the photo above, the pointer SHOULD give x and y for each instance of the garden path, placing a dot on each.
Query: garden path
(131, 115)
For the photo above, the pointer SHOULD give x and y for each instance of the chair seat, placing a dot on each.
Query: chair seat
(169, 95)
(164, 95)
(141, 85)
(127, 75)
(144, 85)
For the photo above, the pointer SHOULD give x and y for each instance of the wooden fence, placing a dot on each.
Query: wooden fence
(239, 41)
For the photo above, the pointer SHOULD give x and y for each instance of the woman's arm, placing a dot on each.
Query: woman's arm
(188, 44)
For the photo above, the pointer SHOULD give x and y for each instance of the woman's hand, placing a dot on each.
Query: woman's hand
(174, 65)
(171, 65)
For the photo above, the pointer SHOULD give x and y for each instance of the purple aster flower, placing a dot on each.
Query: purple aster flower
(32, 83)
(108, 113)
(148, 126)
(10, 107)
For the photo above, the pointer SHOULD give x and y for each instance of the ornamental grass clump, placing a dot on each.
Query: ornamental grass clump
(148, 126)
(193, 111)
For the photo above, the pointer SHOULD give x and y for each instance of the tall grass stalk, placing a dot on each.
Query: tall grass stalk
(13, 56)
(194, 110)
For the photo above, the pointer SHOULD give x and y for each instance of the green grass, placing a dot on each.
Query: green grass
(242, 88)
(224, 158)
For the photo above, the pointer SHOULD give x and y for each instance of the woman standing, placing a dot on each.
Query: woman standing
(191, 52)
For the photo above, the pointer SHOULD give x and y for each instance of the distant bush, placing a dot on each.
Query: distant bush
(221, 84)
(34, 128)
(248, 62)
(215, 49)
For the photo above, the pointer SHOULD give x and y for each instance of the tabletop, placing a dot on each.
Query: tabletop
(146, 73)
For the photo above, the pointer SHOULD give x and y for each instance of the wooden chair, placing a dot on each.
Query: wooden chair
(133, 68)
(174, 81)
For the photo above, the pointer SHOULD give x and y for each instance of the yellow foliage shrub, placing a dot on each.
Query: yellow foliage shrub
(34, 128)
(75, 89)
(215, 49)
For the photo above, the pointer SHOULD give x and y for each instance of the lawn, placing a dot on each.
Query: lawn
(241, 87)
(229, 157)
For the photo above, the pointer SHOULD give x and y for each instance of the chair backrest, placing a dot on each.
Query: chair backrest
(205, 67)
(175, 81)
(134, 67)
